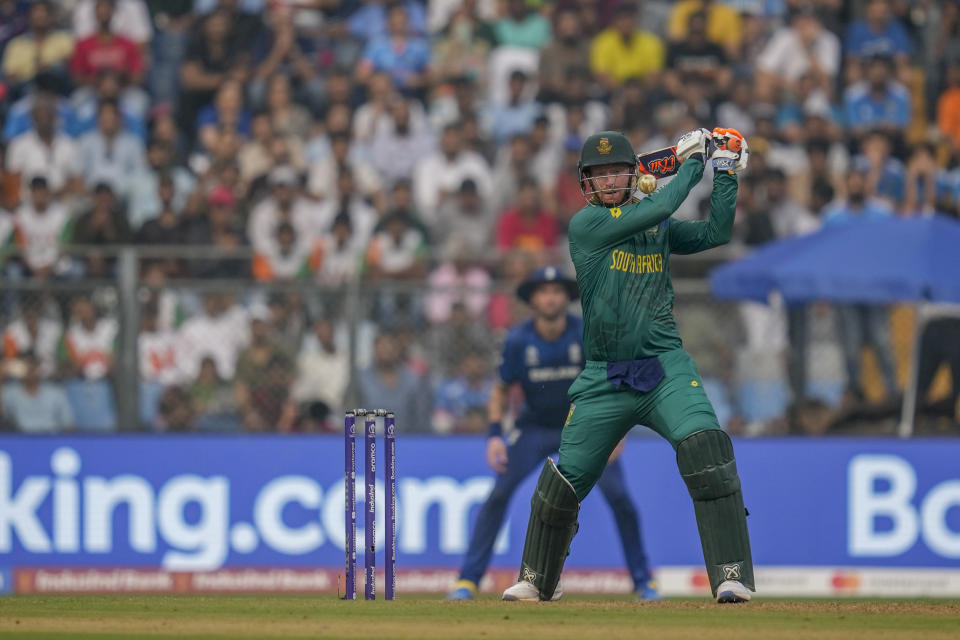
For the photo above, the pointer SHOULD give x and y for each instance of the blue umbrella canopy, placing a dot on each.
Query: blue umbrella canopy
(878, 261)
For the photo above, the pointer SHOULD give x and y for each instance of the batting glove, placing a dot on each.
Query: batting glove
(732, 153)
(693, 143)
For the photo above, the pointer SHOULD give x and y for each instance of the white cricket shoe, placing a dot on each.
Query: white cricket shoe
(732, 591)
(526, 592)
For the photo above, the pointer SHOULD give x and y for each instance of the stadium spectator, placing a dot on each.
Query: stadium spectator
(723, 24)
(33, 333)
(87, 348)
(803, 47)
(458, 280)
(790, 218)
(103, 48)
(862, 325)
(877, 102)
(437, 177)
(921, 178)
(284, 204)
(34, 405)
(157, 349)
(45, 152)
(464, 224)
(460, 404)
(373, 17)
(145, 200)
(521, 26)
(461, 49)
(109, 154)
(221, 230)
(371, 116)
(697, 70)
(527, 225)
(403, 138)
(339, 253)
(323, 369)
(167, 227)
(132, 102)
(391, 382)
(287, 258)
(566, 52)
(105, 222)
(440, 13)
(129, 19)
(345, 157)
(624, 51)
(261, 381)
(226, 113)
(405, 57)
(397, 251)
(212, 400)
(516, 116)
(288, 118)
(42, 228)
(363, 217)
(885, 173)
(211, 58)
(513, 164)
(41, 49)
(878, 33)
(286, 54)
(219, 332)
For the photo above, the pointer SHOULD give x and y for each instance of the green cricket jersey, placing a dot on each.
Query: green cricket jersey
(623, 270)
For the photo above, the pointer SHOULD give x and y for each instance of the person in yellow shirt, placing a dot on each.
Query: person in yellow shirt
(724, 26)
(41, 48)
(623, 51)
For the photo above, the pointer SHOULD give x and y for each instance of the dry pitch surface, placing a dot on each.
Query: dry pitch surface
(577, 618)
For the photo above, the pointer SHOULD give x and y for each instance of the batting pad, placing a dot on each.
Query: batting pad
(553, 523)
(708, 467)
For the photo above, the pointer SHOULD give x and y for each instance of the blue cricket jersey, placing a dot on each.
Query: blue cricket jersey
(545, 369)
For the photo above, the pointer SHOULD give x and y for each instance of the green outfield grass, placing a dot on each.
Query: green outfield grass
(577, 618)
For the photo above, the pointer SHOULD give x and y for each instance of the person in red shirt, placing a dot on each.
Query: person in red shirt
(105, 50)
(527, 225)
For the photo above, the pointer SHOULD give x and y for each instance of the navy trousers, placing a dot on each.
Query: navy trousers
(524, 456)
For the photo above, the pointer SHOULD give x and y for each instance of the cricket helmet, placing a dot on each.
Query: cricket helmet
(607, 147)
(546, 275)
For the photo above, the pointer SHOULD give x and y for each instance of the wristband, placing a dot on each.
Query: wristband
(496, 429)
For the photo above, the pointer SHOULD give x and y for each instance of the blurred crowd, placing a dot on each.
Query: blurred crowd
(425, 150)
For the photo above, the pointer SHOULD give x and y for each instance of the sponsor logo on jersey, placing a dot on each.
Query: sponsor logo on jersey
(604, 148)
(616, 212)
(635, 262)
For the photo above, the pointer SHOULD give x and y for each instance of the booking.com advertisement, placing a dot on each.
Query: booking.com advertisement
(181, 513)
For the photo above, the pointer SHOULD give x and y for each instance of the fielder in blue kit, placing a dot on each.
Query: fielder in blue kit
(543, 356)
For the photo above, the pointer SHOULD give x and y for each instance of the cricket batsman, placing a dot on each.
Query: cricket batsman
(543, 356)
(637, 371)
